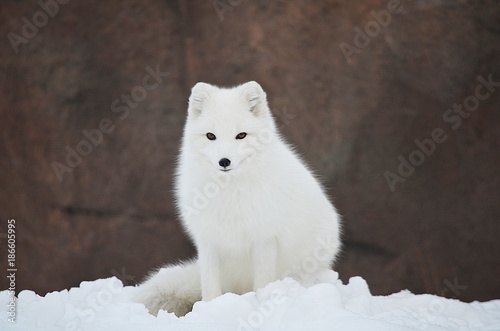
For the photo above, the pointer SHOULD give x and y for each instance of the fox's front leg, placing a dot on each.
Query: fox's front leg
(210, 272)
(265, 259)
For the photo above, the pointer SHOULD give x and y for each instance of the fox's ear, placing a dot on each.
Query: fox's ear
(255, 96)
(198, 98)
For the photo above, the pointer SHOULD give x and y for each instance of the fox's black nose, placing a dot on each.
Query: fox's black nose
(224, 162)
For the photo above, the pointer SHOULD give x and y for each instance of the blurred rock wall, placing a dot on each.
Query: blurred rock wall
(395, 104)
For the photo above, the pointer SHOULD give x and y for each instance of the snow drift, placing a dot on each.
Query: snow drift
(104, 304)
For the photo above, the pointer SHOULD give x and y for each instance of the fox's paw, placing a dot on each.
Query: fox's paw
(171, 304)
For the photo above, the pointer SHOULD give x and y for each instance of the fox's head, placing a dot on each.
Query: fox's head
(227, 127)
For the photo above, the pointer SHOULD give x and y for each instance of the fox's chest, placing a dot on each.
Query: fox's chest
(238, 209)
(235, 214)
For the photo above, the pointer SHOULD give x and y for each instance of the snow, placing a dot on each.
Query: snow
(105, 304)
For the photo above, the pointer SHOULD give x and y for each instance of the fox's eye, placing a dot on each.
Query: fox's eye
(241, 135)
(211, 136)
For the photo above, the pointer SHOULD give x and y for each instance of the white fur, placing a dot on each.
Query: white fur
(264, 219)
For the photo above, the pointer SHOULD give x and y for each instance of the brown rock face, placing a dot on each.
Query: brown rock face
(393, 103)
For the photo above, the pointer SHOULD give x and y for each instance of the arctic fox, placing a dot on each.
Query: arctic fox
(252, 208)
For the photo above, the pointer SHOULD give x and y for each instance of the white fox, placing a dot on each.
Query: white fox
(252, 208)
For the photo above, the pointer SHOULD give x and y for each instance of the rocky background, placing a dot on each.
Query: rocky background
(395, 104)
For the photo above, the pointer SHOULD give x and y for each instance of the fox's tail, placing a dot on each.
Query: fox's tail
(174, 288)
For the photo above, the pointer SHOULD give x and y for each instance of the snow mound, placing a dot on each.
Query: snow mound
(105, 304)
